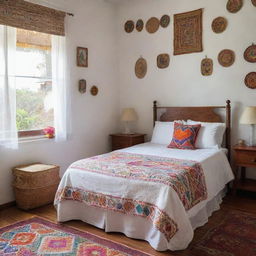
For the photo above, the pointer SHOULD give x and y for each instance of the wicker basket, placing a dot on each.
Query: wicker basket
(35, 185)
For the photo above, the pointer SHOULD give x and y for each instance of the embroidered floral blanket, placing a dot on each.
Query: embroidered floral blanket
(150, 180)
(122, 205)
(184, 176)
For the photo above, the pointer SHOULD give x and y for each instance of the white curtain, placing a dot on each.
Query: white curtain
(8, 128)
(60, 88)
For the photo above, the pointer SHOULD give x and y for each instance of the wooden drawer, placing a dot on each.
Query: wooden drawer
(120, 141)
(119, 145)
(137, 140)
(246, 158)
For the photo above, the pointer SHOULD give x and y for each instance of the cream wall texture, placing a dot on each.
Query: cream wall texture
(92, 118)
(182, 83)
(98, 25)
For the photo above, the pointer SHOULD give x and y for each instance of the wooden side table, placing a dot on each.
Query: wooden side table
(120, 140)
(245, 156)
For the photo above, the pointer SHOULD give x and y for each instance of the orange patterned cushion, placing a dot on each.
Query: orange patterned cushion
(184, 136)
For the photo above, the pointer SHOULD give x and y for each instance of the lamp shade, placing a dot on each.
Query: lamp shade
(248, 116)
(129, 115)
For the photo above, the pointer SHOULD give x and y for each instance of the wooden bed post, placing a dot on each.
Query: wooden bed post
(154, 112)
(228, 127)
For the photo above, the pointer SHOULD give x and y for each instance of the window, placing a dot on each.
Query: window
(32, 71)
(34, 99)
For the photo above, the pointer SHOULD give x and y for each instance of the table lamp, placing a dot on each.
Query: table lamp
(128, 115)
(249, 117)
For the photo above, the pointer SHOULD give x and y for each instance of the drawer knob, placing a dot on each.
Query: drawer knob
(254, 160)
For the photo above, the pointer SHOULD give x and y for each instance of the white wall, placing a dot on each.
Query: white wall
(98, 25)
(92, 118)
(182, 83)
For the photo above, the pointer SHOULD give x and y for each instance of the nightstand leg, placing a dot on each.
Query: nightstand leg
(243, 173)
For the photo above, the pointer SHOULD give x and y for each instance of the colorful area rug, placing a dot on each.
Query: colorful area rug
(235, 235)
(40, 237)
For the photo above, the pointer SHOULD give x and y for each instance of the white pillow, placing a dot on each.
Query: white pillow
(210, 134)
(162, 133)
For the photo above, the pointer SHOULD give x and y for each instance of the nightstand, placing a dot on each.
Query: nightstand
(120, 140)
(245, 156)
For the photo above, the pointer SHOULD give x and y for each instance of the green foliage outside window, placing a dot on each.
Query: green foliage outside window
(30, 112)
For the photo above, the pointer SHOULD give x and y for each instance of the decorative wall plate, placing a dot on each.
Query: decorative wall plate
(254, 2)
(234, 6)
(165, 21)
(206, 67)
(163, 60)
(129, 26)
(250, 80)
(139, 25)
(141, 68)
(82, 86)
(250, 54)
(152, 25)
(219, 25)
(226, 58)
(94, 90)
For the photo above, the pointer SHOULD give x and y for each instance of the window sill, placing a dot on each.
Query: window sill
(38, 138)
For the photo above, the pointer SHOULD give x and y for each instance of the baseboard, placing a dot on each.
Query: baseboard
(7, 205)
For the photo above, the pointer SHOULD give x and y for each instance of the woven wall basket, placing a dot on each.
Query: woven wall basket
(219, 25)
(226, 58)
(250, 80)
(250, 54)
(141, 68)
(234, 6)
(139, 25)
(165, 21)
(207, 67)
(152, 25)
(163, 60)
(129, 26)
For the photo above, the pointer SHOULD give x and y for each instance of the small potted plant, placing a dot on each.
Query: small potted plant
(49, 132)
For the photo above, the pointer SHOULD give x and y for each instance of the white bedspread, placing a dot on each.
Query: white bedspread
(217, 173)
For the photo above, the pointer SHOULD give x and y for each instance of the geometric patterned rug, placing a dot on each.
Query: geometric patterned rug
(40, 237)
(234, 235)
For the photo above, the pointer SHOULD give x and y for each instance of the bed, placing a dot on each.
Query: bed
(149, 191)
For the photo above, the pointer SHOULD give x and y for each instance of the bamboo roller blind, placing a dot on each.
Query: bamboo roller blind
(25, 15)
(33, 39)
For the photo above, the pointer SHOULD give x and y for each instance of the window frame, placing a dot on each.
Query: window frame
(30, 133)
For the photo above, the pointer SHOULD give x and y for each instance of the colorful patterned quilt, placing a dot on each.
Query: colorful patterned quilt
(158, 175)
(185, 177)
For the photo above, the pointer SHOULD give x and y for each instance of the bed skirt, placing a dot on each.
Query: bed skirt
(134, 227)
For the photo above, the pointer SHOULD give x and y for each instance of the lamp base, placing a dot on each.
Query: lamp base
(252, 141)
(127, 129)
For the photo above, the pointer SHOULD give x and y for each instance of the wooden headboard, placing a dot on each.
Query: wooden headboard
(203, 114)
